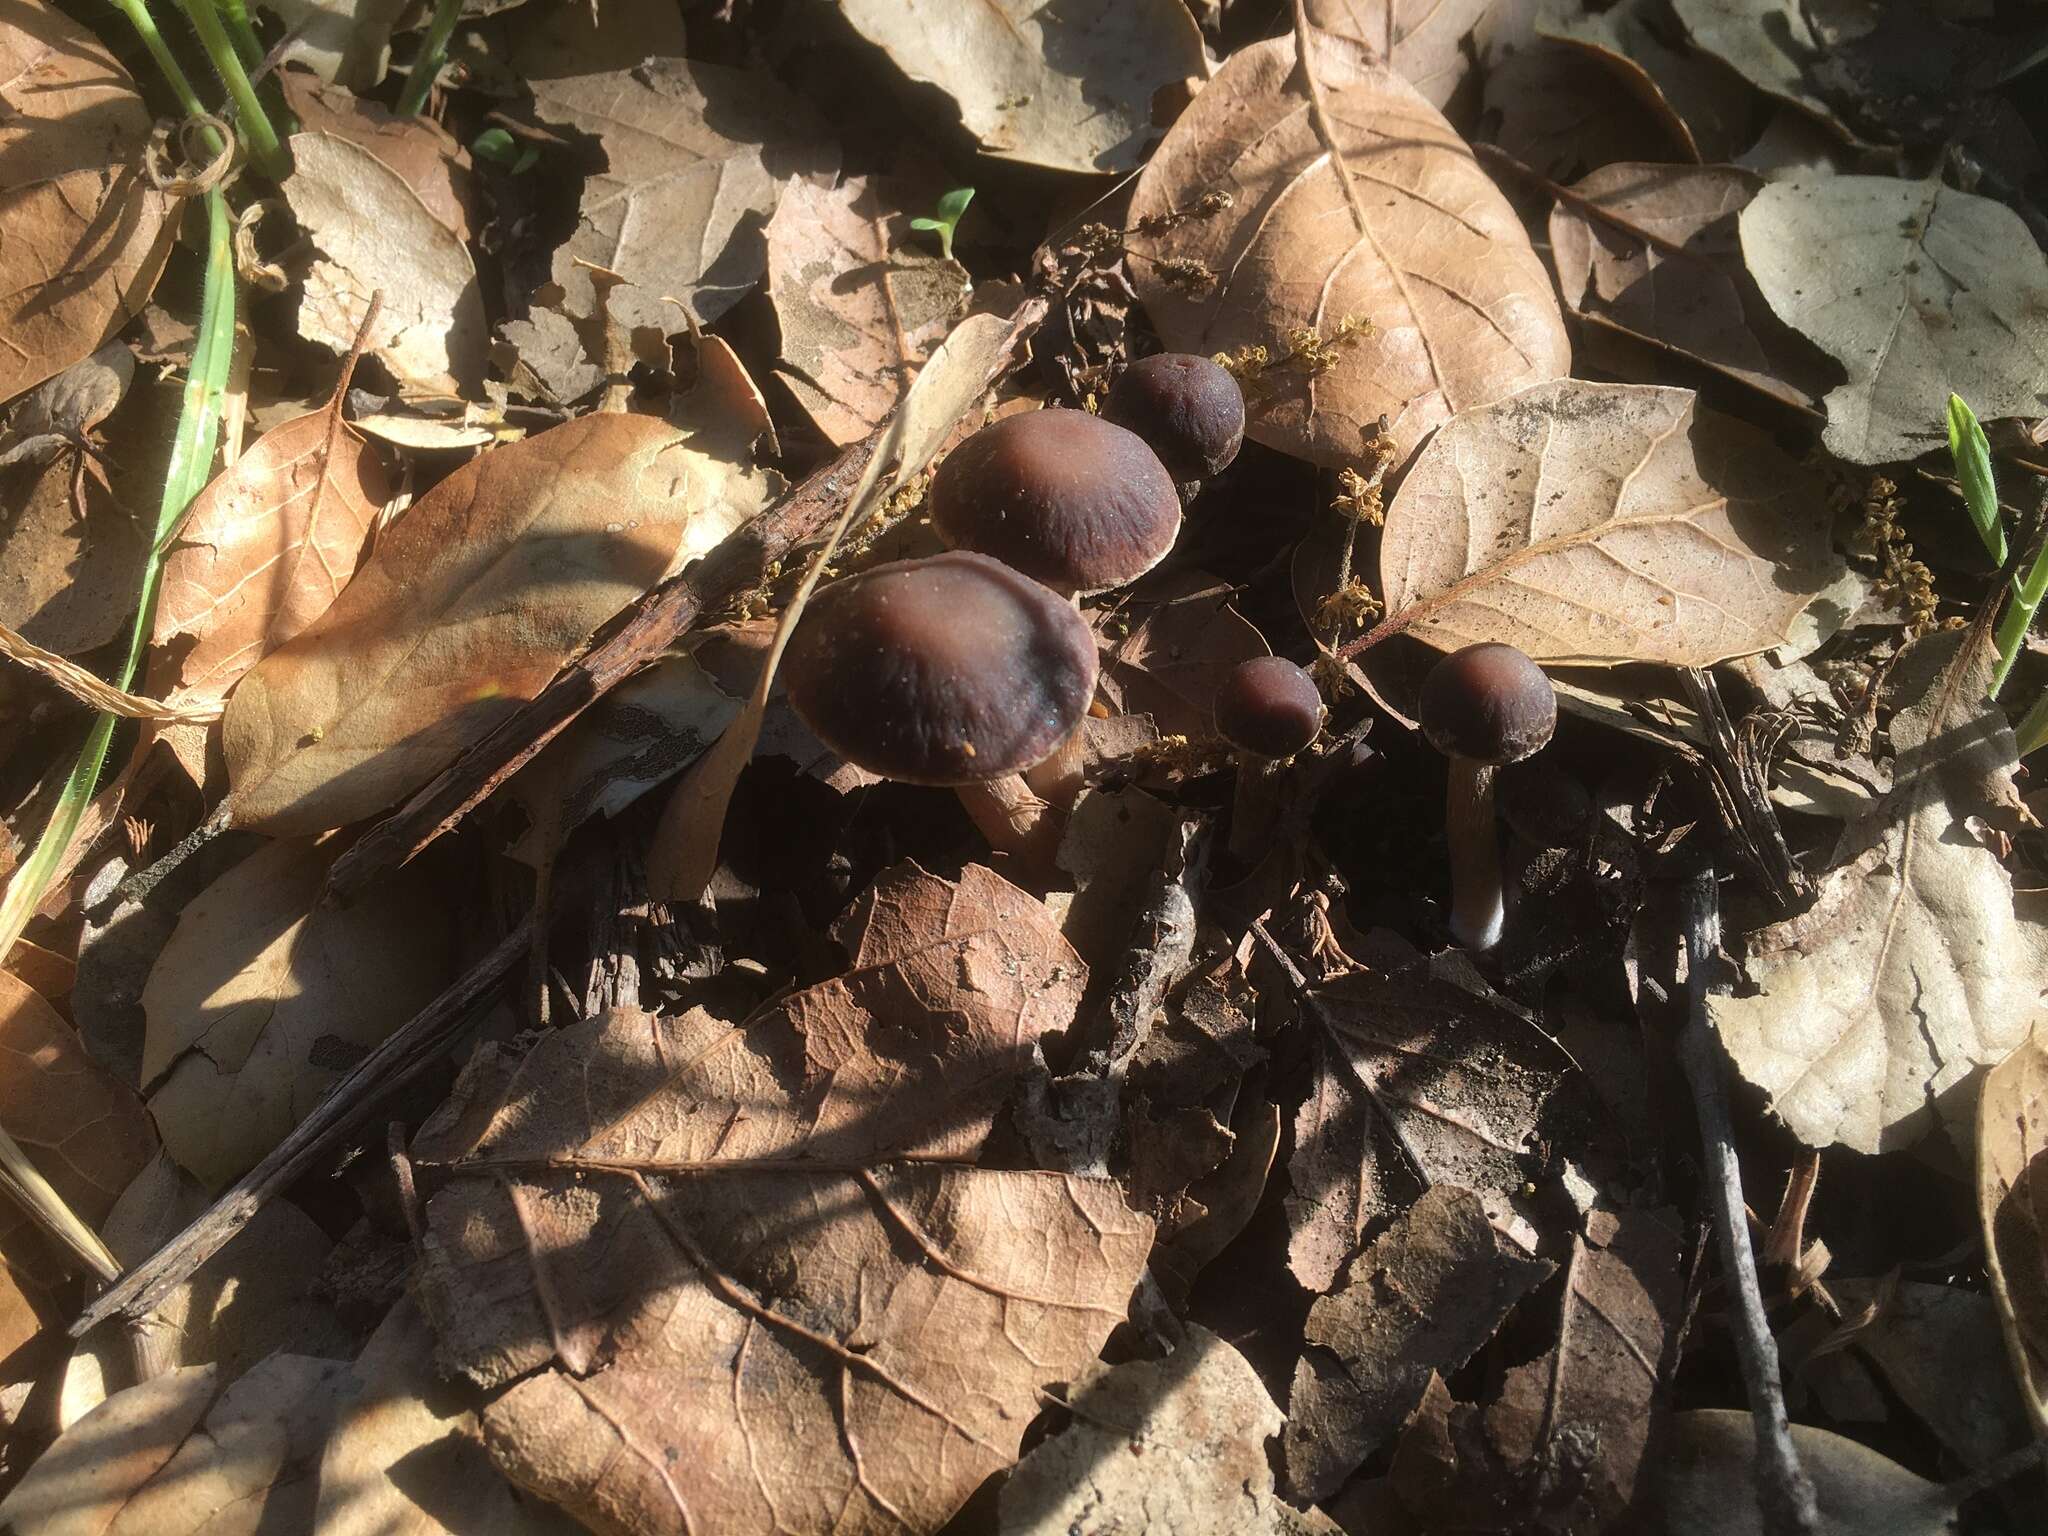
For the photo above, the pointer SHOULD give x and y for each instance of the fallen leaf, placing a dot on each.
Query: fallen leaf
(1876, 1007)
(1561, 1446)
(1770, 43)
(1918, 290)
(61, 410)
(858, 307)
(1397, 226)
(84, 1131)
(68, 573)
(1552, 104)
(143, 1461)
(2012, 1203)
(560, 355)
(1602, 523)
(423, 154)
(264, 996)
(1653, 250)
(1167, 646)
(1423, 1298)
(1424, 40)
(563, 40)
(1704, 1482)
(1707, 109)
(86, 235)
(768, 1242)
(372, 232)
(696, 157)
(1159, 1445)
(1068, 89)
(345, 40)
(468, 606)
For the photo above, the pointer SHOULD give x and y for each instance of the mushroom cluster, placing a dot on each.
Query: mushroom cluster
(969, 668)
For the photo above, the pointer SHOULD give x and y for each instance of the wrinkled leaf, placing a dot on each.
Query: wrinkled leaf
(762, 1252)
(86, 234)
(1424, 40)
(1400, 228)
(859, 308)
(1070, 87)
(696, 156)
(1602, 523)
(1712, 1457)
(1877, 1006)
(264, 996)
(372, 231)
(1159, 1445)
(1423, 1298)
(2012, 1203)
(1918, 290)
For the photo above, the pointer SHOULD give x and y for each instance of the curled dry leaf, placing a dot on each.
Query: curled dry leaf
(742, 1275)
(373, 232)
(1712, 1451)
(1706, 108)
(86, 235)
(2012, 1202)
(86, 1132)
(1603, 523)
(1653, 250)
(1067, 87)
(696, 156)
(1917, 290)
(1167, 647)
(1876, 1007)
(61, 410)
(1422, 1299)
(1159, 1445)
(264, 996)
(1394, 224)
(859, 308)
(1424, 40)
(1770, 43)
(468, 607)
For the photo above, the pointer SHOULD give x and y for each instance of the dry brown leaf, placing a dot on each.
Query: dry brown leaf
(68, 574)
(1398, 226)
(1707, 108)
(1424, 40)
(468, 606)
(86, 1132)
(1917, 290)
(1555, 107)
(345, 40)
(1657, 255)
(1423, 1298)
(372, 232)
(551, 40)
(1160, 1445)
(1067, 87)
(749, 1274)
(1561, 1446)
(86, 235)
(61, 410)
(1712, 1456)
(425, 156)
(264, 996)
(1770, 43)
(1602, 523)
(1876, 1007)
(143, 1463)
(859, 308)
(1167, 646)
(2012, 1203)
(262, 552)
(696, 156)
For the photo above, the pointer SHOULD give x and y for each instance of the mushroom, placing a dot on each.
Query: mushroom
(1187, 408)
(953, 670)
(1268, 709)
(1482, 707)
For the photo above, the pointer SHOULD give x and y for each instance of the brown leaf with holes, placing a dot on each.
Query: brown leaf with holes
(1397, 226)
(84, 1130)
(860, 307)
(1424, 40)
(2012, 1203)
(742, 1275)
(86, 234)
(1603, 523)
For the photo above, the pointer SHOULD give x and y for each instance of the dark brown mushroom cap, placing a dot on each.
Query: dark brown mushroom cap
(1489, 703)
(941, 671)
(1269, 707)
(1067, 498)
(1187, 407)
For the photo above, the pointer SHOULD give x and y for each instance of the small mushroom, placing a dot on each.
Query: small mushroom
(1069, 499)
(954, 670)
(1188, 408)
(1269, 710)
(1481, 707)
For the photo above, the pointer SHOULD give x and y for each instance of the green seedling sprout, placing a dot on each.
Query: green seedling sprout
(1972, 455)
(500, 148)
(947, 218)
(426, 69)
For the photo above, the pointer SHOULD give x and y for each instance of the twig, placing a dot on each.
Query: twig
(390, 1066)
(1784, 1492)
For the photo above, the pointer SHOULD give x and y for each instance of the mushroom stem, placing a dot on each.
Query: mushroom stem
(1014, 820)
(1476, 914)
(1059, 779)
(1254, 806)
